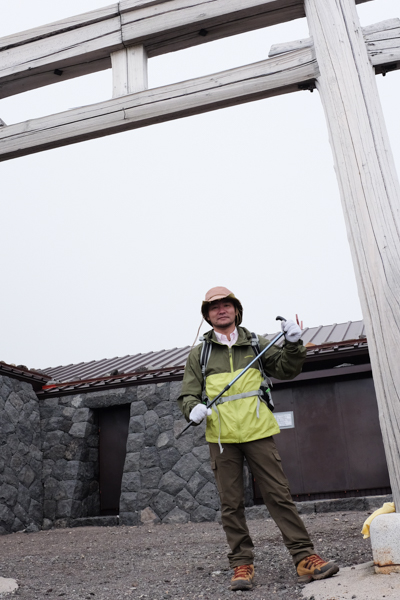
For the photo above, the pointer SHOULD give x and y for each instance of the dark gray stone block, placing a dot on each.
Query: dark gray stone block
(195, 483)
(175, 388)
(165, 439)
(151, 434)
(132, 462)
(147, 393)
(59, 467)
(111, 521)
(185, 443)
(185, 501)
(26, 476)
(162, 504)
(73, 451)
(70, 470)
(162, 391)
(149, 458)
(151, 477)
(199, 437)
(206, 471)
(36, 511)
(138, 408)
(82, 415)
(166, 423)
(257, 512)
(56, 452)
(164, 409)
(8, 494)
(176, 516)
(129, 518)
(150, 418)
(305, 508)
(6, 517)
(202, 453)
(135, 442)
(131, 482)
(136, 424)
(23, 497)
(168, 458)
(341, 504)
(127, 502)
(49, 509)
(144, 498)
(171, 483)
(208, 496)
(202, 513)
(186, 466)
(80, 430)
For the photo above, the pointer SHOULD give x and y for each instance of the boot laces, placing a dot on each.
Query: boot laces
(242, 572)
(314, 561)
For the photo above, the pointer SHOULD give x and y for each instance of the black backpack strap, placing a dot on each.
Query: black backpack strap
(205, 353)
(266, 384)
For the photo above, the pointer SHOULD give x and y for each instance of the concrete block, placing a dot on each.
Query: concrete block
(385, 542)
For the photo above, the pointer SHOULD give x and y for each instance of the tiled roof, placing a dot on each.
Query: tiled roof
(172, 361)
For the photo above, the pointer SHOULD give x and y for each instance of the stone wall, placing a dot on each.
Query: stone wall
(21, 489)
(166, 479)
(70, 460)
(49, 459)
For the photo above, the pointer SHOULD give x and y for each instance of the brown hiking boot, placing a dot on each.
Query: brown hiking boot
(243, 578)
(314, 567)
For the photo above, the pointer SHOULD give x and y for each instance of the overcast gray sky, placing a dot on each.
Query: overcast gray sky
(109, 246)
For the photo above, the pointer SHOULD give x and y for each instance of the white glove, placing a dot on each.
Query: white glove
(198, 413)
(292, 330)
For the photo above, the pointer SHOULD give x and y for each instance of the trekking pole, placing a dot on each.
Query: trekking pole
(226, 388)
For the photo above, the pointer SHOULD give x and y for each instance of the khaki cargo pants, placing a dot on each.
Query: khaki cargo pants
(265, 465)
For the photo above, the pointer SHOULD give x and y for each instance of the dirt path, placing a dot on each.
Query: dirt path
(180, 562)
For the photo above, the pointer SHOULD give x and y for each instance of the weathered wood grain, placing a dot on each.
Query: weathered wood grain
(260, 80)
(83, 44)
(370, 193)
(382, 40)
(129, 69)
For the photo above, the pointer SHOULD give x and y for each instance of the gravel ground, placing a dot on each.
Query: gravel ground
(179, 562)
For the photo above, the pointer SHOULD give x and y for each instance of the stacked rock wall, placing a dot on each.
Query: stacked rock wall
(166, 479)
(49, 460)
(70, 460)
(21, 489)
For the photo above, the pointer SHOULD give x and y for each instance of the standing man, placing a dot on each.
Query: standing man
(241, 426)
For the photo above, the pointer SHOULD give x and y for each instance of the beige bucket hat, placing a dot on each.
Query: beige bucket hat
(217, 293)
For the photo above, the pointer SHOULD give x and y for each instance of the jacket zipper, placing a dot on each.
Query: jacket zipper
(235, 404)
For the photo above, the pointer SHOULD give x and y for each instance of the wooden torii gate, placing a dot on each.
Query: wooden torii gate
(340, 60)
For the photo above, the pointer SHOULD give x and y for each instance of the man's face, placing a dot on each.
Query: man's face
(222, 314)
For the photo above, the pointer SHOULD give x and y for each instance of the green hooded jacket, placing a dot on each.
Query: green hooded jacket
(244, 419)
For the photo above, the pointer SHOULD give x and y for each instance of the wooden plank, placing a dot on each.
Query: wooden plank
(83, 44)
(38, 60)
(370, 30)
(129, 68)
(167, 23)
(251, 82)
(44, 31)
(382, 41)
(370, 193)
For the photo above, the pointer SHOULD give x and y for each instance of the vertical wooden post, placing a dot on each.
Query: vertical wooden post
(129, 70)
(370, 195)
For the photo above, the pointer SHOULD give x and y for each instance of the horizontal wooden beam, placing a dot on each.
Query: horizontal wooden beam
(83, 44)
(267, 78)
(382, 40)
